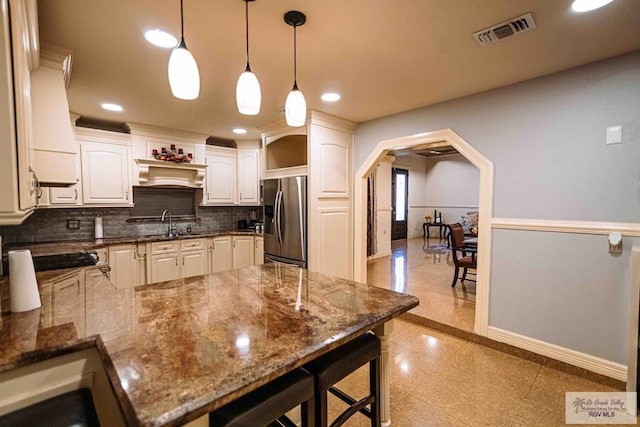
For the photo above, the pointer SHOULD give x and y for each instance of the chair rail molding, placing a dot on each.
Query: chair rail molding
(562, 226)
(485, 209)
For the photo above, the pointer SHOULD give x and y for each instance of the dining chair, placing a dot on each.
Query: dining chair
(463, 257)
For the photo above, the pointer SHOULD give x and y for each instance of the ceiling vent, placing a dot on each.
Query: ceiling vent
(505, 29)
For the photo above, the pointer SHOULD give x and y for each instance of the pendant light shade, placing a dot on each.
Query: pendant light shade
(184, 77)
(248, 94)
(295, 108)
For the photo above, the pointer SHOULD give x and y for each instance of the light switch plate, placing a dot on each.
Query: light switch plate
(614, 135)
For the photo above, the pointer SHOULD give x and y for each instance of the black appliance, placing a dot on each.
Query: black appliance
(56, 262)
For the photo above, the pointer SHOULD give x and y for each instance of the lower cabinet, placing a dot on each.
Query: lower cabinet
(243, 251)
(221, 258)
(194, 257)
(164, 267)
(175, 259)
(67, 302)
(124, 266)
(259, 251)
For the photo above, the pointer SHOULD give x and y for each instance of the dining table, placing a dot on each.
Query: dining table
(175, 351)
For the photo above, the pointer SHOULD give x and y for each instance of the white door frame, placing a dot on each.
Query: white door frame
(485, 210)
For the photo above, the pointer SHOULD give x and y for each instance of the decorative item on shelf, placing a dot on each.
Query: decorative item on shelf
(172, 155)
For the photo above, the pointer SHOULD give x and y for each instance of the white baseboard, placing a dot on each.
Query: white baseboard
(592, 363)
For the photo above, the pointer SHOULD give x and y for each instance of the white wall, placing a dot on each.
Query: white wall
(448, 184)
(546, 139)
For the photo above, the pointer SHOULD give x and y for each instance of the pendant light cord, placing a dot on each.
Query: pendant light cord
(182, 44)
(295, 60)
(246, 20)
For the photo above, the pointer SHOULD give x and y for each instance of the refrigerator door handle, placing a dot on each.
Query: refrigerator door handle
(279, 217)
(300, 212)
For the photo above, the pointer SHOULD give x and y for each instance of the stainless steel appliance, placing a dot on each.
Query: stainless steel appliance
(285, 220)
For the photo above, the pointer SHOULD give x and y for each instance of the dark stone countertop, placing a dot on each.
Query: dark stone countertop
(72, 246)
(177, 350)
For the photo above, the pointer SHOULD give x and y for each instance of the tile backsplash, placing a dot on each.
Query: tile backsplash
(46, 225)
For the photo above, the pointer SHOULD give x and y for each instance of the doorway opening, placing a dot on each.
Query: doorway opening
(399, 203)
(485, 203)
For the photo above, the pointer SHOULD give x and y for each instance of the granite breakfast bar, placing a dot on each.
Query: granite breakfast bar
(174, 351)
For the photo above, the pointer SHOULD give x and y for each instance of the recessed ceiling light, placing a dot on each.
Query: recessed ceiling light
(434, 152)
(160, 38)
(330, 97)
(112, 107)
(588, 5)
(239, 131)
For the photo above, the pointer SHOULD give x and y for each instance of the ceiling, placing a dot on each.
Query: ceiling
(383, 57)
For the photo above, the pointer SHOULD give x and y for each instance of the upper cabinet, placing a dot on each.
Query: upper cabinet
(248, 176)
(54, 149)
(18, 56)
(285, 152)
(233, 175)
(221, 176)
(106, 167)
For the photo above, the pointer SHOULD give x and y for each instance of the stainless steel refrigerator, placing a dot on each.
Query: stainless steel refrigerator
(285, 220)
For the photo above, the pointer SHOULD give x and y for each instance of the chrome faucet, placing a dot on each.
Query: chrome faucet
(171, 231)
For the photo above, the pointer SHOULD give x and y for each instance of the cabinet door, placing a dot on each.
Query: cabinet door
(243, 253)
(64, 195)
(67, 302)
(221, 179)
(248, 172)
(124, 266)
(103, 315)
(221, 254)
(164, 267)
(259, 251)
(194, 263)
(105, 173)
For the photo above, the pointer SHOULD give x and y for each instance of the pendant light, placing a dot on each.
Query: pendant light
(295, 108)
(248, 96)
(184, 78)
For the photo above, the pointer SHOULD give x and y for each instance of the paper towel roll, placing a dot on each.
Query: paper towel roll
(98, 232)
(23, 288)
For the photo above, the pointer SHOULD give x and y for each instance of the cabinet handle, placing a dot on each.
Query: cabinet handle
(75, 192)
(127, 195)
(176, 261)
(213, 246)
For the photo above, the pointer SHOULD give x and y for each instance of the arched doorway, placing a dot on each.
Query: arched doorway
(485, 209)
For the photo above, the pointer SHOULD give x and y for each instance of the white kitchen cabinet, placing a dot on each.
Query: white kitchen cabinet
(164, 267)
(124, 266)
(221, 254)
(17, 49)
(66, 196)
(259, 250)
(194, 263)
(221, 179)
(106, 167)
(194, 257)
(243, 251)
(248, 176)
(67, 303)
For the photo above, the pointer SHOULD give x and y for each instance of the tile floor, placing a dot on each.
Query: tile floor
(442, 380)
(426, 271)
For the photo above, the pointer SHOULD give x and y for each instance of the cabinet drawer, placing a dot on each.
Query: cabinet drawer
(165, 247)
(193, 244)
